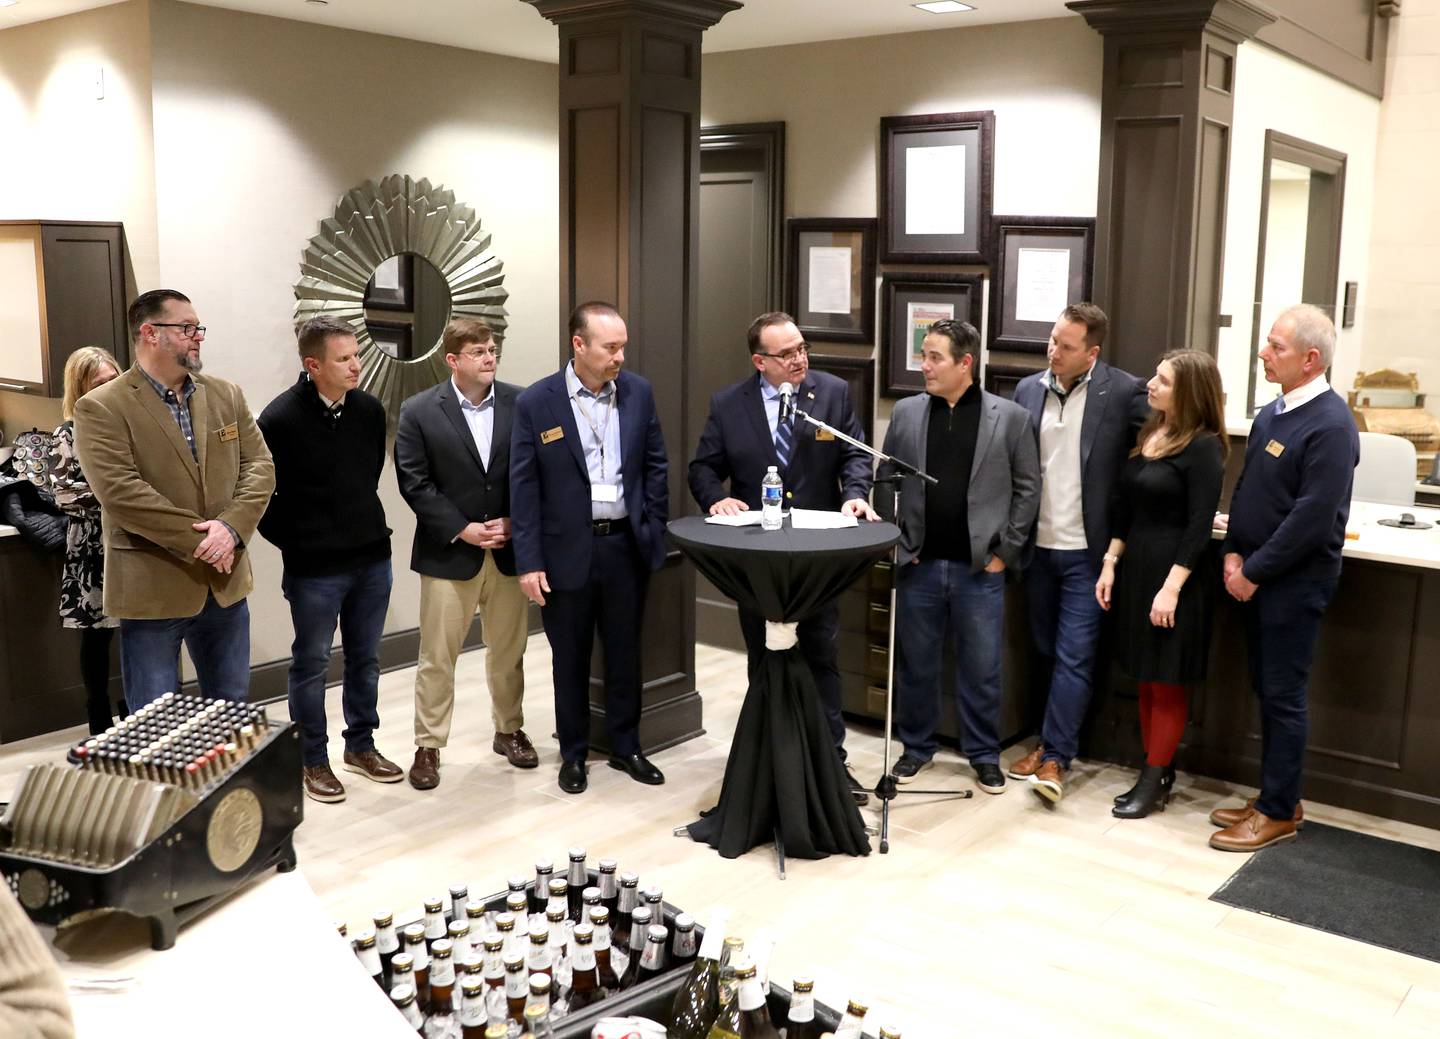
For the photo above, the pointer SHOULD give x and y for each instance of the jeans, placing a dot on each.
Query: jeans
(218, 638)
(931, 593)
(1282, 626)
(1065, 621)
(357, 599)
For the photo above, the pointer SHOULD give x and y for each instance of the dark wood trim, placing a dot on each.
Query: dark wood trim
(1081, 227)
(769, 139)
(892, 127)
(866, 228)
(892, 282)
(1001, 379)
(1337, 38)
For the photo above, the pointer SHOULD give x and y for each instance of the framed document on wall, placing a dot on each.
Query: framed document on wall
(936, 173)
(1042, 265)
(832, 279)
(910, 303)
(859, 373)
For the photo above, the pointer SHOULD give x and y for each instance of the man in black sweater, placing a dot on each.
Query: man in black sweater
(1282, 558)
(325, 516)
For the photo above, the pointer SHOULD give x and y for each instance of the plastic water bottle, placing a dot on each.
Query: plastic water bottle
(772, 495)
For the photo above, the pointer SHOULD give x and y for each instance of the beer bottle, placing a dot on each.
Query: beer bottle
(682, 952)
(369, 957)
(697, 1001)
(473, 1017)
(494, 961)
(609, 889)
(387, 942)
(517, 904)
(654, 898)
(800, 1021)
(589, 899)
(541, 992)
(478, 919)
(577, 880)
(544, 870)
(511, 936)
(442, 979)
(404, 999)
(434, 920)
(755, 1020)
(727, 1019)
(459, 895)
(628, 898)
(852, 1025)
(402, 970)
(557, 930)
(517, 987)
(470, 968)
(537, 958)
(414, 938)
(343, 928)
(498, 1031)
(559, 896)
(889, 1032)
(537, 1022)
(639, 921)
(584, 979)
(652, 961)
(604, 969)
(458, 931)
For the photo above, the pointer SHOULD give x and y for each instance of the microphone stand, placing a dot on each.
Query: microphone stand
(887, 789)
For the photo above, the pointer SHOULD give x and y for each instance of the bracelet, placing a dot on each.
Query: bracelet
(1111, 557)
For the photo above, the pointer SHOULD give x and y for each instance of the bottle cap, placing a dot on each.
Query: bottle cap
(384, 918)
(804, 985)
(402, 994)
(577, 854)
(684, 922)
(583, 933)
(856, 1009)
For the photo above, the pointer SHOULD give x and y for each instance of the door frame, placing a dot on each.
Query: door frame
(769, 138)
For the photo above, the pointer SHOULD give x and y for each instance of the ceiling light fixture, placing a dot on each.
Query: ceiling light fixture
(8, 3)
(318, 3)
(945, 7)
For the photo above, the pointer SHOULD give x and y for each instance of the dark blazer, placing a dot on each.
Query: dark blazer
(443, 481)
(550, 485)
(737, 445)
(1004, 493)
(1115, 409)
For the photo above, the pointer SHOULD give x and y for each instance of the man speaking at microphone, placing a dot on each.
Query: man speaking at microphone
(746, 433)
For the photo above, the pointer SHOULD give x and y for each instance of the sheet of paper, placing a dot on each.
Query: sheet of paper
(740, 519)
(935, 190)
(819, 519)
(919, 317)
(829, 279)
(1042, 284)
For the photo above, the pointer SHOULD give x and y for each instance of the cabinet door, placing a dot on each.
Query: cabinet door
(84, 294)
(24, 358)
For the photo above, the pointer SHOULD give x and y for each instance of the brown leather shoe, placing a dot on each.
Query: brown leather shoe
(373, 765)
(321, 784)
(1226, 817)
(425, 769)
(1028, 765)
(516, 748)
(1257, 830)
(1049, 781)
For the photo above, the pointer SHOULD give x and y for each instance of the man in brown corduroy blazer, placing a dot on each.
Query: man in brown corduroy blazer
(182, 476)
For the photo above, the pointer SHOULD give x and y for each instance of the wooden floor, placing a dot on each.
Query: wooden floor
(996, 916)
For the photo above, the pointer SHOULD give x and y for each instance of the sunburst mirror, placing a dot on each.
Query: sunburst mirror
(397, 260)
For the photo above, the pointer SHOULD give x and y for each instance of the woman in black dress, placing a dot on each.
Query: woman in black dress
(1163, 513)
(81, 599)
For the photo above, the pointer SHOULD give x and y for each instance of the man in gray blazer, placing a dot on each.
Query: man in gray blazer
(958, 537)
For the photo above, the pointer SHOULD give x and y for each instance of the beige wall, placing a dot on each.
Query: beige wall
(71, 156)
(1401, 302)
(1041, 79)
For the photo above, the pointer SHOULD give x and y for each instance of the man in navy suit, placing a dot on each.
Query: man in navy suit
(743, 437)
(1085, 415)
(589, 504)
(452, 451)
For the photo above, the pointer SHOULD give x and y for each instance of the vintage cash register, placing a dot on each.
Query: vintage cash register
(1388, 401)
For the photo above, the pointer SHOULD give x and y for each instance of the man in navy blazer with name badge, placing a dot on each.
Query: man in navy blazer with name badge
(589, 502)
(1085, 416)
(744, 436)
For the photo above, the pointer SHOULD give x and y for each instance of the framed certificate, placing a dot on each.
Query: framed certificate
(936, 175)
(910, 304)
(832, 279)
(859, 373)
(1042, 265)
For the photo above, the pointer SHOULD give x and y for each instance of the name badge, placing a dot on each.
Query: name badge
(824, 434)
(228, 433)
(606, 492)
(552, 434)
(1275, 448)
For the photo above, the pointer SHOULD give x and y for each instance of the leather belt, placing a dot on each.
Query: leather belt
(604, 527)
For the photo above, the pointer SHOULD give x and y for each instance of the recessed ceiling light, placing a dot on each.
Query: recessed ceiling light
(318, 3)
(8, 3)
(944, 7)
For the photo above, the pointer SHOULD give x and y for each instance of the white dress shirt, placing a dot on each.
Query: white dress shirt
(480, 418)
(597, 416)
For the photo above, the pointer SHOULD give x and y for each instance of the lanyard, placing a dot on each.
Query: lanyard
(599, 431)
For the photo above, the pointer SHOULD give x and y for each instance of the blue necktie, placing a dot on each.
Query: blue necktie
(782, 441)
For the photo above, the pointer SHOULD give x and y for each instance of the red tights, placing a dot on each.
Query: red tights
(1163, 708)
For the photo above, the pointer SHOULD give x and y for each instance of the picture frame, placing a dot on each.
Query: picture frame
(910, 302)
(393, 337)
(392, 287)
(817, 291)
(1001, 379)
(936, 184)
(859, 375)
(1042, 265)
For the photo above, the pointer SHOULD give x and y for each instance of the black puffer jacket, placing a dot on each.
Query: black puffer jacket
(32, 511)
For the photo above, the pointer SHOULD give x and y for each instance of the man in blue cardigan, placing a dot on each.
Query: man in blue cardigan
(1282, 558)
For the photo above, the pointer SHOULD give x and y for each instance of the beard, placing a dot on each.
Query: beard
(189, 363)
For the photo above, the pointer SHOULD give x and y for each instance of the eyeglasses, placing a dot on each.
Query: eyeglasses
(188, 331)
(478, 355)
(786, 356)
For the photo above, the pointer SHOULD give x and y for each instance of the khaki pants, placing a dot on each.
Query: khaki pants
(446, 608)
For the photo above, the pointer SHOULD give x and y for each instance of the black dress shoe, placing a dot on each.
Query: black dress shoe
(572, 777)
(639, 768)
(856, 790)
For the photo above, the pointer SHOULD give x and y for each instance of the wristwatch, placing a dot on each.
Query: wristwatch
(1111, 557)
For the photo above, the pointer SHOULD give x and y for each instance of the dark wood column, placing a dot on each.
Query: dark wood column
(1166, 112)
(629, 209)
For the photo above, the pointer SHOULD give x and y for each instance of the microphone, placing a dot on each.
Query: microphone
(787, 401)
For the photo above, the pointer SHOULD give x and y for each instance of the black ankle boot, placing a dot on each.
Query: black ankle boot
(1168, 780)
(1152, 790)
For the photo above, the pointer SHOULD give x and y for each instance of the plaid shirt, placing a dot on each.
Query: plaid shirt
(179, 408)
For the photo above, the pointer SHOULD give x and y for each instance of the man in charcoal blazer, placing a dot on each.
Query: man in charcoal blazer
(958, 537)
